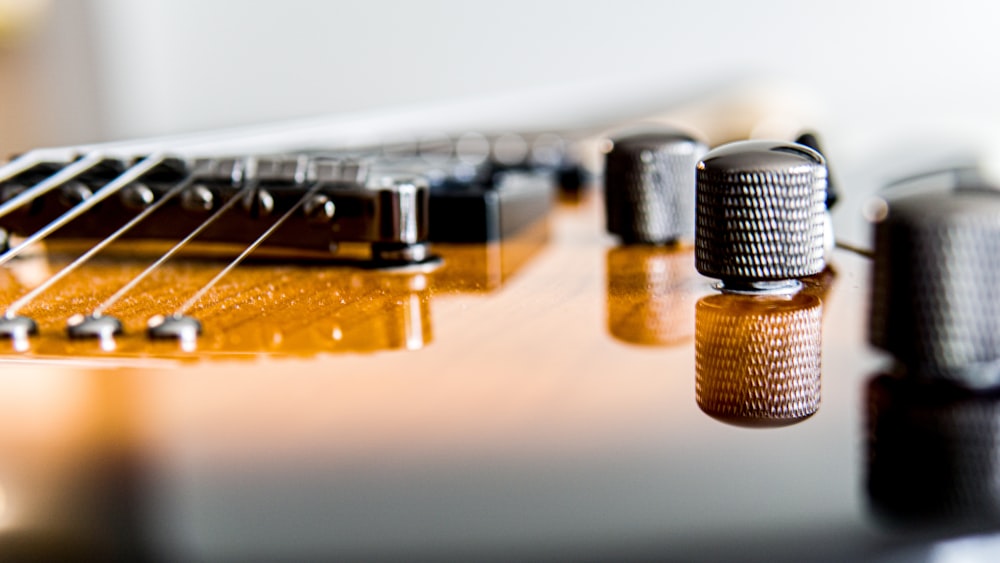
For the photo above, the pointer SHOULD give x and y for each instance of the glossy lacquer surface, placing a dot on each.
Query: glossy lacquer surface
(548, 397)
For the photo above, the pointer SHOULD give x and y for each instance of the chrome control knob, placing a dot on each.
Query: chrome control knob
(649, 186)
(761, 215)
(936, 285)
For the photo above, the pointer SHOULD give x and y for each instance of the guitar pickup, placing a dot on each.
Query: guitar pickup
(483, 203)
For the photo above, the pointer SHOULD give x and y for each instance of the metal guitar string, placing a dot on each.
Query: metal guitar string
(14, 307)
(246, 252)
(57, 179)
(19, 165)
(109, 189)
(242, 193)
(24, 162)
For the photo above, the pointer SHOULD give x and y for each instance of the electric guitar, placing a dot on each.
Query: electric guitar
(520, 387)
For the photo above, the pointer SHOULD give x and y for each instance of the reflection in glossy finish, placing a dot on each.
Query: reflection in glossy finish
(483, 268)
(650, 295)
(757, 358)
(933, 452)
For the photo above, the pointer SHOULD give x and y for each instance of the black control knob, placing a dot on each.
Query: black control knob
(936, 284)
(761, 215)
(649, 186)
(811, 140)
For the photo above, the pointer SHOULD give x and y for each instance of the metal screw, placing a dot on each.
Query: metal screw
(319, 209)
(197, 198)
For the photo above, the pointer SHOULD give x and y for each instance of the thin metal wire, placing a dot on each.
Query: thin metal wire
(14, 307)
(246, 252)
(57, 179)
(124, 179)
(110, 301)
(19, 164)
(863, 252)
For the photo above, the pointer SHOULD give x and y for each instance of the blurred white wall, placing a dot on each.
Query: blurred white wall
(156, 66)
(49, 89)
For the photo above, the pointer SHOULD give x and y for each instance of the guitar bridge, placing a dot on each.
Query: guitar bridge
(304, 203)
(349, 201)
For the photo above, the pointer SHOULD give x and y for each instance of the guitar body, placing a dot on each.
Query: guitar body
(539, 392)
(535, 398)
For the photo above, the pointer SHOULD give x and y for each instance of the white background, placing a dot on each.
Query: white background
(105, 69)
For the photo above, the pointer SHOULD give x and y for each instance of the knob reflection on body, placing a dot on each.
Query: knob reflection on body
(933, 455)
(649, 186)
(758, 358)
(761, 215)
(650, 294)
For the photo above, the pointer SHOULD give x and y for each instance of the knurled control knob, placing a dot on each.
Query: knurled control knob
(649, 186)
(936, 284)
(760, 215)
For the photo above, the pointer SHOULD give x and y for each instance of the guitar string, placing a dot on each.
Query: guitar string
(110, 301)
(19, 165)
(124, 179)
(57, 179)
(246, 252)
(16, 306)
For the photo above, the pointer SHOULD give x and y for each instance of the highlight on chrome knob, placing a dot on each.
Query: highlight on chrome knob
(761, 215)
(651, 291)
(757, 358)
(649, 186)
(932, 452)
(936, 284)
